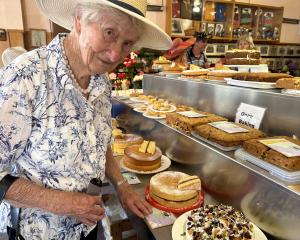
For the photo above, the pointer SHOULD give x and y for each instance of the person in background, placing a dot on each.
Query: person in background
(9, 54)
(55, 122)
(245, 42)
(196, 53)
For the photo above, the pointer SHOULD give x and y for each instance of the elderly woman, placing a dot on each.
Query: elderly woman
(55, 123)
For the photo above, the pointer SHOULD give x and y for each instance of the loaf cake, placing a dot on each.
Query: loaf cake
(242, 57)
(186, 124)
(164, 189)
(263, 152)
(218, 222)
(289, 83)
(261, 77)
(226, 139)
(122, 141)
(144, 157)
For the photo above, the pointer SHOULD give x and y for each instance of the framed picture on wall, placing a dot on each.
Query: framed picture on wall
(2, 34)
(37, 37)
(177, 27)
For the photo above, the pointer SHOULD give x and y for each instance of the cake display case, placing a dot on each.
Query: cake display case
(268, 201)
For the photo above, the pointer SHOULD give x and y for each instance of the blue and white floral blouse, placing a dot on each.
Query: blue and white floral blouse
(51, 135)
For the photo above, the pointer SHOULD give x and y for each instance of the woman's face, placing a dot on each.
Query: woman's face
(104, 44)
(244, 45)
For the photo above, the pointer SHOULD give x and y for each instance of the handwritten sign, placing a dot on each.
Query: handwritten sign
(250, 115)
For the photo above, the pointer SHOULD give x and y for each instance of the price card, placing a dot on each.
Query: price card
(159, 218)
(131, 178)
(250, 115)
(192, 114)
(228, 127)
(283, 146)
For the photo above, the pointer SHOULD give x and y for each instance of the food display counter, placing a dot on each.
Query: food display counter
(268, 201)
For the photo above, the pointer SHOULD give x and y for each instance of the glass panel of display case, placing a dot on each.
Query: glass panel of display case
(231, 46)
(298, 51)
(210, 49)
(244, 20)
(269, 23)
(217, 17)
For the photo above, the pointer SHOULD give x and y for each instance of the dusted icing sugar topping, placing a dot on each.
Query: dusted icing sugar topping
(168, 181)
(218, 222)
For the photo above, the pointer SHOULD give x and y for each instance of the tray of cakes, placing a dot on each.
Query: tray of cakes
(215, 222)
(185, 121)
(145, 158)
(280, 156)
(290, 86)
(256, 79)
(224, 135)
(174, 192)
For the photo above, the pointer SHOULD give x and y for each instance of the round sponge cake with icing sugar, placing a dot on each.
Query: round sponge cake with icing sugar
(164, 185)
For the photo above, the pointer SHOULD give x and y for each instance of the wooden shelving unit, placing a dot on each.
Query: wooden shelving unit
(224, 20)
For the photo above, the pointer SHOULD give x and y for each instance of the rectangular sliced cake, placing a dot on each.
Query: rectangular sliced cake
(186, 124)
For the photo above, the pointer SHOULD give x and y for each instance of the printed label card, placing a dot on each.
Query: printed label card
(160, 218)
(131, 178)
(228, 127)
(191, 114)
(283, 146)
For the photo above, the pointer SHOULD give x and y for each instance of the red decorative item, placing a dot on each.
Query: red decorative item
(121, 75)
(176, 211)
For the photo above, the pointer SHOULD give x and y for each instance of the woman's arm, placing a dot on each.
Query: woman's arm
(26, 194)
(129, 199)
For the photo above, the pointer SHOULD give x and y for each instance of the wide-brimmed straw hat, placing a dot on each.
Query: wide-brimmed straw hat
(9, 54)
(62, 13)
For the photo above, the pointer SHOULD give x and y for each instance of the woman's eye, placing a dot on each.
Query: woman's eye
(109, 35)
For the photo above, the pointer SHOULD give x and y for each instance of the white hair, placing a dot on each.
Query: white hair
(93, 12)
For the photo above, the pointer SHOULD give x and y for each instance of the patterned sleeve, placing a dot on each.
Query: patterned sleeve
(15, 116)
(107, 109)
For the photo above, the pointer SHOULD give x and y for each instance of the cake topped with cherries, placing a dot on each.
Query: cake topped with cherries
(218, 222)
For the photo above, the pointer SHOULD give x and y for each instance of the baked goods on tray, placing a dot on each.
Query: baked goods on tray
(218, 222)
(121, 141)
(221, 74)
(164, 189)
(227, 139)
(144, 157)
(186, 124)
(196, 72)
(267, 154)
(260, 77)
(242, 57)
(289, 83)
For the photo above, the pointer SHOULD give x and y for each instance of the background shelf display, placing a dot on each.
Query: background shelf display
(225, 20)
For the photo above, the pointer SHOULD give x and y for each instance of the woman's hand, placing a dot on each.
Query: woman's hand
(85, 208)
(132, 201)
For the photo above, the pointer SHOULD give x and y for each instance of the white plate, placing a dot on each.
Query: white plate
(294, 92)
(178, 229)
(165, 164)
(250, 84)
(172, 109)
(226, 149)
(136, 99)
(138, 110)
(153, 117)
(288, 176)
